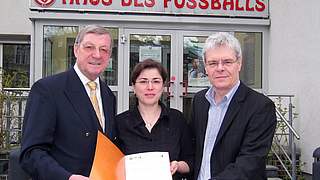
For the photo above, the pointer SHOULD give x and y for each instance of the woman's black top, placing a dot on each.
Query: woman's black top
(169, 134)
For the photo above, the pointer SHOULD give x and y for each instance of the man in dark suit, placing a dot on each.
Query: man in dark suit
(61, 121)
(233, 124)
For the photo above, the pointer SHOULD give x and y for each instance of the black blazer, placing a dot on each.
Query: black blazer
(60, 127)
(244, 138)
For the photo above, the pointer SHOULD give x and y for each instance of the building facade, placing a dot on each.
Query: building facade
(279, 42)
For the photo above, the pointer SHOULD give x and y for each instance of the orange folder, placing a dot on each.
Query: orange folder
(108, 163)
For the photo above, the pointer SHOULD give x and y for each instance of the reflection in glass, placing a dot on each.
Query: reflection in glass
(193, 64)
(251, 72)
(58, 53)
(157, 47)
(111, 73)
(58, 48)
(16, 65)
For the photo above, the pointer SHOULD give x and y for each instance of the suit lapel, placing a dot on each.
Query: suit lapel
(107, 103)
(79, 99)
(200, 118)
(232, 111)
(204, 109)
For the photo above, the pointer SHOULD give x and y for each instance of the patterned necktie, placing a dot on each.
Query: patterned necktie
(93, 97)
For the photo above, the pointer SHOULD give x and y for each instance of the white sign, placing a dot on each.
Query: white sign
(152, 52)
(234, 8)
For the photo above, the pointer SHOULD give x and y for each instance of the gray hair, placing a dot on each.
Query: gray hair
(222, 39)
(94, 29)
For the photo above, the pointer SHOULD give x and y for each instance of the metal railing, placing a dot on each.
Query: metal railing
(12, 108)
(284, 141)
(14, 102)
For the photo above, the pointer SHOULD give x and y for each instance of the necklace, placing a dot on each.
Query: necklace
(150, 119)
(149, 125)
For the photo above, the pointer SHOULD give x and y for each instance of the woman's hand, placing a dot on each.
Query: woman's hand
(179, 166)
(174, 165)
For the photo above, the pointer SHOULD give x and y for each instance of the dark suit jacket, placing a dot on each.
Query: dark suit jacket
(60, 127)
(244, 138)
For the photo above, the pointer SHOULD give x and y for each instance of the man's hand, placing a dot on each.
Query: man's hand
(78, 177)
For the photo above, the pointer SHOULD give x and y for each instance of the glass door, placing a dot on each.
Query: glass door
(194, 77)
(142, 44)
(179, 52)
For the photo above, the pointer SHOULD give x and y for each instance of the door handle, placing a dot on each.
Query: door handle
(169, 88)
(185, 85)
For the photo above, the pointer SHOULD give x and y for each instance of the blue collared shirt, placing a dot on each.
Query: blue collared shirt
(215, 117)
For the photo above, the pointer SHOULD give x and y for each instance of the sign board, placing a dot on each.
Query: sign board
(152, 52)
(233, 8)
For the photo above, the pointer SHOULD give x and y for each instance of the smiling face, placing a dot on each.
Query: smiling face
(148, 87)
(223, 68)
(93, 54)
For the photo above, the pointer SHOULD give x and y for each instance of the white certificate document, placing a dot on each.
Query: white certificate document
(148, 165)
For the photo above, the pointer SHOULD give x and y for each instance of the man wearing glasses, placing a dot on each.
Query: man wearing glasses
(65, 111)
(233, 124)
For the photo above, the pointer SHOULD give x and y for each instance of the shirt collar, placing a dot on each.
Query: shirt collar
(83, 78)
(211, 91)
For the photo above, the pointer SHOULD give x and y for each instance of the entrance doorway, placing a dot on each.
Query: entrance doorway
(179, 52)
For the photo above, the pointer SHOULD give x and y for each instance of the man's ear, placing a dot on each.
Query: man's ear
(76, 50)
(240, 64)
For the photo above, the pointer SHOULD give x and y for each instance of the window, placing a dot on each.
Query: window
(251, 46)
(58, 53)
(58, 48)
(16, 65)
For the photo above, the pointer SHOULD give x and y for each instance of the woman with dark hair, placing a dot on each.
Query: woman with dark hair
(150, 125)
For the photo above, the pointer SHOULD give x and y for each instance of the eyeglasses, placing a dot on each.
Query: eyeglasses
(90, 48)
(224, 62)
(154, 82)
